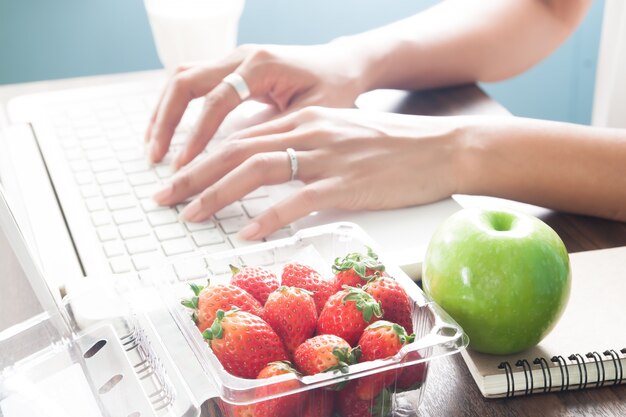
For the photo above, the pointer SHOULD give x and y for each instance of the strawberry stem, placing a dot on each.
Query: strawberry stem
(365, 303)
(360, 264)
(234, 269)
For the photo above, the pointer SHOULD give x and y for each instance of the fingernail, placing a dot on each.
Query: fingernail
(192, 211)
(164, 194)
(250, 231)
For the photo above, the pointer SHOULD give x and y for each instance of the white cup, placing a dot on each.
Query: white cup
(193, 30)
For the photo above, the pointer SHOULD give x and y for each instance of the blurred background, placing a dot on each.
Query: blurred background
(43, 39)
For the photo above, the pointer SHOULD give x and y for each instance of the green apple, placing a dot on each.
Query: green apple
(503, 276)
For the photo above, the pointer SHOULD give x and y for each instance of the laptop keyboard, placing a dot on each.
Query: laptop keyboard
(103, 144)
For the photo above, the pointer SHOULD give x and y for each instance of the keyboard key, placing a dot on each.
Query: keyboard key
(232, 210)
(207, 224)
(108, 177)
(127, 215)
(103, 165)
(73, 154)
(131, 155)
(220, 247)
(120, 264)
(194, 268)
(123, 145)
(149, 205)
(89, 190)
(121, 202)
(131, 230)
(141, 245)
(106, 233)
(240, 243)
(97, 154)
(258, 193)
(116, 188)
(113, 248)
(88, 132)
(95, 142)
(169, 231)
(133, 167)
(95, 204)
(164, 171)
(279, 234)
(256, 206)
(79, 165)
(145, 191)
(100, 218)
(68, 142)
(147, 260)
(109, 113)
(142, 178)
(84, 177)
(207, 237)
(234, 224)
(177, 246)
(158, 218)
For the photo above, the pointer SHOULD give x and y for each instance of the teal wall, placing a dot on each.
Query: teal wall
(45, 39)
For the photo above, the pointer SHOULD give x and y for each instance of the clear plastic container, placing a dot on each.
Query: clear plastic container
(136, 332)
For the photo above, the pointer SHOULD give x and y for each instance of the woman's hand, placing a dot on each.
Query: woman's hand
(287, 77)
(349, 159)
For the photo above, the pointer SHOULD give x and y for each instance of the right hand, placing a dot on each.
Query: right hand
(286, 77)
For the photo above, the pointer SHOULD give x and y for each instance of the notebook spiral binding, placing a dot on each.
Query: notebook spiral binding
(594, 359)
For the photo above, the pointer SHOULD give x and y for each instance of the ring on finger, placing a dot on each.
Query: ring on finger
(240, 86)
(293, 161)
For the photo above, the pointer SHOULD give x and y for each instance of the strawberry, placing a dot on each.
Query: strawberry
(244, 343)
(349, 405)
(380, 340)
(207, 300)
(319, 404)
(412, 377)
(256, 280)
(230, 410)
(285, 406)
(347, 313)
(356, 269)
(292, 314)
(395, 302)
(325, 353)
(305, 277)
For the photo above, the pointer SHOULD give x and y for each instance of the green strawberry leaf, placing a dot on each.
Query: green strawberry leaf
(360, 264)
(234, 269)
(216, 331)
(365, 303)
(382, 404)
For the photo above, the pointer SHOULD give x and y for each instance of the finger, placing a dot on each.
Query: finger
(261, 169)
(153, 116)
(281, 124)
(220, 102)
(317, 196)
(193, 179)
(184, 87)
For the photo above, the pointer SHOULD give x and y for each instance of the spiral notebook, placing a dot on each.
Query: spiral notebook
(586, 349)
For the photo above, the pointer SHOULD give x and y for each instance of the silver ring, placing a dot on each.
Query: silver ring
(293, 160)
(240, 86)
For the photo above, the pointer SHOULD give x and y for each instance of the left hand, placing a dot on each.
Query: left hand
(349, 159)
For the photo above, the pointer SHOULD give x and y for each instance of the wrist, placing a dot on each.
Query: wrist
(363, 65)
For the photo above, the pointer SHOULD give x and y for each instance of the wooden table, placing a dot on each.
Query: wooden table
(451, 390)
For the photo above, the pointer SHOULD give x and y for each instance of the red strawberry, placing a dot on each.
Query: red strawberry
(244, 343)
(347, 313)
(305, 277)
(395, 302)
(357, 269)
(325, 353)
(230, 410)
(256, 280)
(285, 406)
(319, 404)
(291, 313)
(380, 340)
(412, 377)
(349, 405)
(207, 300)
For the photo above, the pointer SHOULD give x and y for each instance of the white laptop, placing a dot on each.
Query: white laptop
(75, 159)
